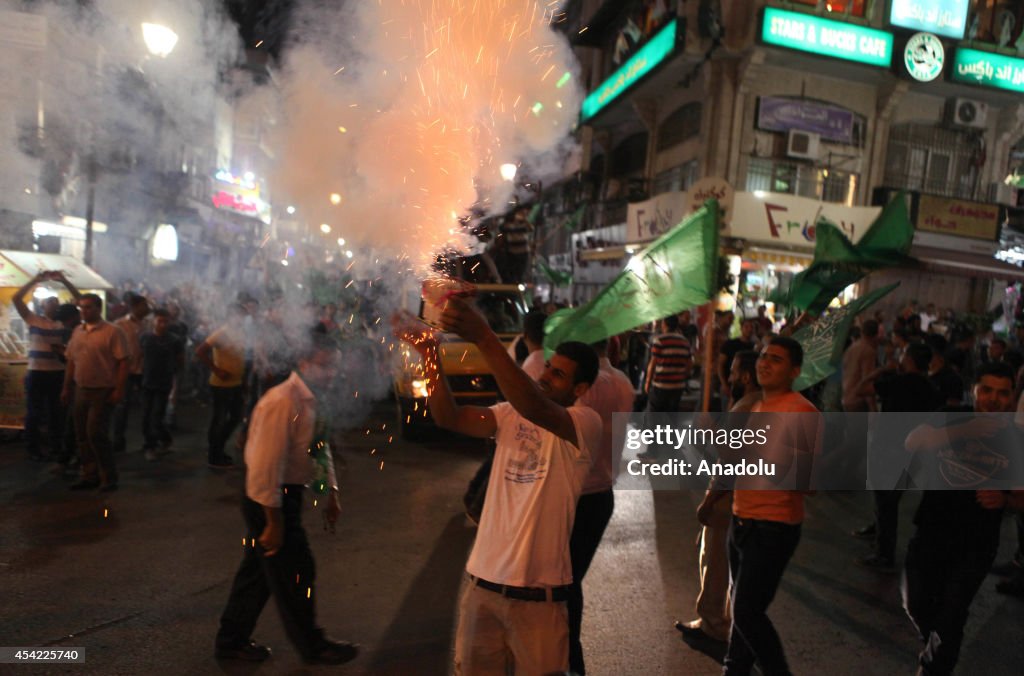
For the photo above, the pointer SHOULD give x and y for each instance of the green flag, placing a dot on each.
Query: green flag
(574, 220)
(675, 272)
(534, 212)
(556, 277)
(838, 262)
(824, 340)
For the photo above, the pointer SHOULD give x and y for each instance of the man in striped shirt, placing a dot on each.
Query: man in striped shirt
(45, 375)
(667, 372)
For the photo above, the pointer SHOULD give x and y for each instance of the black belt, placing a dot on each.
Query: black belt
(524, 593)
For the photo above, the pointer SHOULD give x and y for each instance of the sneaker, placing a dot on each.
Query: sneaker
(222, 461)
(250, 652)
(865, 533)
(333, 652)
(150, 455)
(880, 563)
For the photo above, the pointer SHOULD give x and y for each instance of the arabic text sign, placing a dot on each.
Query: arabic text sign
(958, 217)
(988, 69)
(947, 18)
(788, 219)
(836, 39)
(641, 63)
(833, 123)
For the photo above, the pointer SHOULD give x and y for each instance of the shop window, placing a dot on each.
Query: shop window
(933, 160)
(805, 180)
(680, 125)
(677, 178)
(630, 156)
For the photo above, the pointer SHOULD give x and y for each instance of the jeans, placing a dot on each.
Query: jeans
(593, 512)
(92, 428)
(42, 393)
(758, 554)
(940, 579)
(132, 387)
(887, 512)
(154, 429)
(228, 403)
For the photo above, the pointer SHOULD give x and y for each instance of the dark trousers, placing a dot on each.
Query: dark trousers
(228, 403)
(758, 554)
(663, 401)
(593, 511)
(42, 394)
(887, 513)
(941, 577)
(132, 388)
(289, 576)
(154, 429)
(92, 429)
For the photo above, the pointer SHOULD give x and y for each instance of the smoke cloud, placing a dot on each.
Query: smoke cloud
(404, 110)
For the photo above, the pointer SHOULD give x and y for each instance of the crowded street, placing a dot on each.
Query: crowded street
(140, 589)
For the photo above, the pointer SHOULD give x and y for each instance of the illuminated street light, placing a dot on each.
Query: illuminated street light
(341, 241)
(290, 210)
(160, 40)
(335, 199)
(324, 228)
(508, 171)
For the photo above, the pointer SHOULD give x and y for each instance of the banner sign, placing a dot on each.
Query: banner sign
(988, 70)
(647, 220)
(958, 217)
(778, 218)
(825, 37)
(947, 18)
(778, 113)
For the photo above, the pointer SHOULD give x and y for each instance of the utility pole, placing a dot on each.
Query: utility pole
(90, 205)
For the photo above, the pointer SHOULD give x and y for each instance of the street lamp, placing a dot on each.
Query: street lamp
(160, 40)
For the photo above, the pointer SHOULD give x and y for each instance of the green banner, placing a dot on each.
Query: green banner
(824, 340)
(676, 272)
(556, 277)
(838, 262)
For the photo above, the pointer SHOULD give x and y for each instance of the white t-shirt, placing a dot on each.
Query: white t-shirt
(534, 364)
(536, 479)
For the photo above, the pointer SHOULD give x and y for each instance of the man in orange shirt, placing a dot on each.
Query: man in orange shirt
(766, 523)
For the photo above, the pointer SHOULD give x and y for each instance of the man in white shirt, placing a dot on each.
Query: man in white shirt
(279, 461)
(512, 612)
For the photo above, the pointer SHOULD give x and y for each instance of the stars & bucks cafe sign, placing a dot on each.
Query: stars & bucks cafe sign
(825, 37)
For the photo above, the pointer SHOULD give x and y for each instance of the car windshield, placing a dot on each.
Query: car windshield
(504, 311)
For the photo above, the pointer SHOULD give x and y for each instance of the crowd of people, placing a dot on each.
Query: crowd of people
(549, 488)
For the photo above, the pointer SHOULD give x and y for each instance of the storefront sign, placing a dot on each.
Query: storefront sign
(657, 49)
(836, 39)
(988, 69)
(924, 57)
(776, 113)
(711, 188)
(651, 218)
(947, 18)
(958, 217)
(787, 219)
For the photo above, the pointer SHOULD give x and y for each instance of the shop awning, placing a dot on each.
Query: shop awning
(966, 264)
(18, 267)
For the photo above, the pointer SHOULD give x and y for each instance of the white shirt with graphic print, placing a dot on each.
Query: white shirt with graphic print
(536, 479)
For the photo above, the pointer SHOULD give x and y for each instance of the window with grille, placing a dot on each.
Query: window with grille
(677, 178)
(805, 180)
(932, 160)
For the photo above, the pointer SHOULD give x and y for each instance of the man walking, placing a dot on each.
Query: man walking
(45, 376)
(715, 513)
(667, 372)
(278, 561)
(133, 325)
(512, 613)
(97, 368)
(766, 523)
(611, 393)
(162, 357)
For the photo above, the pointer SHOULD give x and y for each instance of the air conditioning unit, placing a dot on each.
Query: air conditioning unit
(803, 144)
(967, 113)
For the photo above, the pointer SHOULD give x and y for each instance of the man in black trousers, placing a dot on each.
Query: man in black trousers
(280, 459)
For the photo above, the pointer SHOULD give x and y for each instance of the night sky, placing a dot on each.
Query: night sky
(265, 20)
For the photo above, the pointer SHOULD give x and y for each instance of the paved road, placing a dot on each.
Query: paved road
(138, 578)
